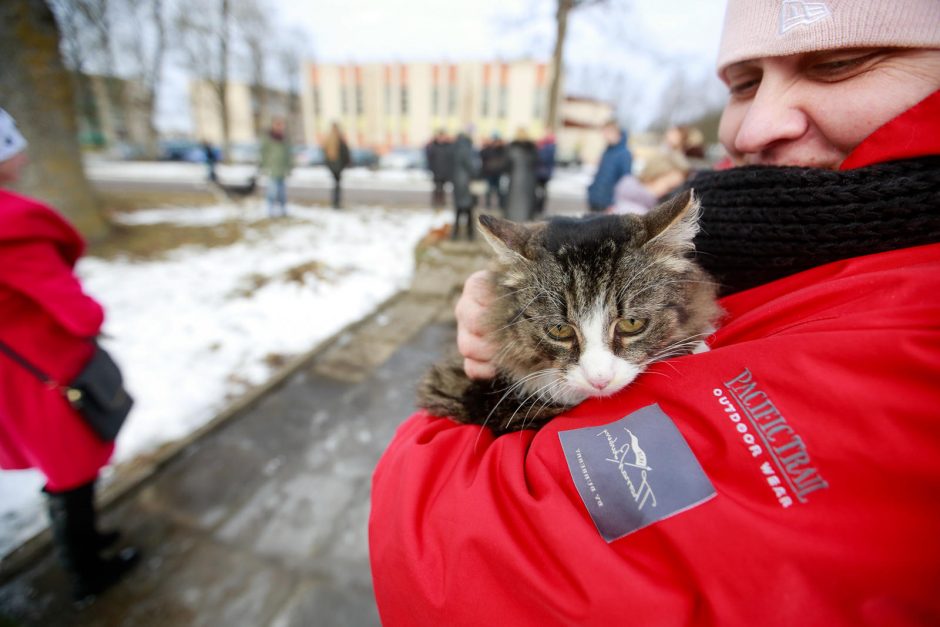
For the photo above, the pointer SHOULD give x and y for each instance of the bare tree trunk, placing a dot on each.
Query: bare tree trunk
(558, 61)
(38, 93)
(222, 85)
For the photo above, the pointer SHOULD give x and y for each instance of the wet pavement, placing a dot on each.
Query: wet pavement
(263, 521)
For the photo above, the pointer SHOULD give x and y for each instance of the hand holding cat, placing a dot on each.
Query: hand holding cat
(477, 351)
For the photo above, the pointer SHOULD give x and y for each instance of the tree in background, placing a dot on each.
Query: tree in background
(36, 90)
(562, 12)
(252, 21)
(146, 51)
(204, 30)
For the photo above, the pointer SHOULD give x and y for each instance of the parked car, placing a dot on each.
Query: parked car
(181, 150)
(308, 156)
(244, 153)
(404, 159)
(364, 157)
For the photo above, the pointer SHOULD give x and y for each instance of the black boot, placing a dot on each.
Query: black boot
(72, 514)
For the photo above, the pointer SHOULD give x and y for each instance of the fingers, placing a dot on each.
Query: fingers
(471, 333)
(478, 369)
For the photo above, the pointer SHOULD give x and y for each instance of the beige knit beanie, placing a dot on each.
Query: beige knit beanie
(773, 28)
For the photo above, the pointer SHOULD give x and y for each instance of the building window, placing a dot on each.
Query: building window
(435, 94)
(503, 101)
(388, 99)
(539, 106)
(452, 99)
(359, 99)
(316, 101)
(404, 100)
(485, 107)
(343, 104)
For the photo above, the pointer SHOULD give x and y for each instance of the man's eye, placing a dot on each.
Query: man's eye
(838, 68)
(744, 87)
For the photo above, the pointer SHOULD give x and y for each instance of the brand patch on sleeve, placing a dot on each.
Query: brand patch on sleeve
(634, 472)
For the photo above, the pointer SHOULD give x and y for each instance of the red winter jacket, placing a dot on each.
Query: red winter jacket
(790, 476)
(47, 318)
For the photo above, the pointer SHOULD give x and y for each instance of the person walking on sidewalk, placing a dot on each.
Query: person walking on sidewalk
(465, 170)
(337, 159)
(616, 163)
(440, 158)
(276, 163)
(494, 165)
(520, 200)
(544, 169)
(47, 319)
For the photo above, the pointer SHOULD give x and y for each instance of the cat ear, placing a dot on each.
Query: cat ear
(507, 238)
(675, 222)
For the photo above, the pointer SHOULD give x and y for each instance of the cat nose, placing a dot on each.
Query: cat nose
(599, 382)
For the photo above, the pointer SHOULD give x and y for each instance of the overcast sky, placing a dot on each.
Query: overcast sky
(621, 49)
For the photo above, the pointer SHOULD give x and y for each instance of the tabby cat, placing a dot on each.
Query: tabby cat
(582, 306)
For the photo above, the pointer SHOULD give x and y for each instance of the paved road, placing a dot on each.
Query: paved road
(263, 521)
(392, 197)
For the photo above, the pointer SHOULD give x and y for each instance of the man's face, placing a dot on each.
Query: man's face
(813, 109)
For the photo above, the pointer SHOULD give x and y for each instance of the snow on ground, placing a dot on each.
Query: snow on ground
(194, 329)
(566, 182)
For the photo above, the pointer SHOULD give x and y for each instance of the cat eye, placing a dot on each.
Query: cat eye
(630, 326)
(560, 332)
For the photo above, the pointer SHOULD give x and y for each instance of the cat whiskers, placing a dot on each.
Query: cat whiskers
(538, 392)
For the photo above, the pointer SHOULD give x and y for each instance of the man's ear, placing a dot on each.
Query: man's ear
(674, 223)
(507, 238)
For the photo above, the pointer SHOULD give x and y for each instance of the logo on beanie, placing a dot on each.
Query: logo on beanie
(795, 13)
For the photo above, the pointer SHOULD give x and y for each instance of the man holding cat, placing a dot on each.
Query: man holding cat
(812, 420)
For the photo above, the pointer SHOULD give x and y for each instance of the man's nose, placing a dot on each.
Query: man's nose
(774, 117)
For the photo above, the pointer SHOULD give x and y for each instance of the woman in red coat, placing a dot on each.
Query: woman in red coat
(48, 320)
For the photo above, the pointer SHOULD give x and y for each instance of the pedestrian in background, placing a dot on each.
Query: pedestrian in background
(544, 169)
(47, 320)
(465, 170)
(276, 163)
(440, 158)
(616, 162)
(660, 174)
(208, 150)
(336, 151)
(520, 202)
(494, 165)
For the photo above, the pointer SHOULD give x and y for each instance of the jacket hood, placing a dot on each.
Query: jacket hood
(23, 219)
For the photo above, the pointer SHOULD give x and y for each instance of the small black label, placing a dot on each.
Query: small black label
(634, 472)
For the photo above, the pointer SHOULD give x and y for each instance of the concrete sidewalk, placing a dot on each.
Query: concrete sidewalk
(263, 520)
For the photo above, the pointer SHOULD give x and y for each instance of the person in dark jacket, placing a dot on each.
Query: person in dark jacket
(208, 150)
(494, 164)
(336, 152)
(520, 203)
(47, 320)
(464, 171)
(440, 158)
(544, 169)
(616, 162)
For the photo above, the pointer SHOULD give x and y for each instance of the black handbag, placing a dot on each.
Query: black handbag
(97, 393)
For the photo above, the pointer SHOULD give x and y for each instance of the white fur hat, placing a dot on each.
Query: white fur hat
(11, 141)
(774, 28)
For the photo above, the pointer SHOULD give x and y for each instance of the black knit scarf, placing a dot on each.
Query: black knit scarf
(761, 223)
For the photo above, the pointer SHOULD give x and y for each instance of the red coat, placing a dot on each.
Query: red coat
(47, 318)
(803, 489)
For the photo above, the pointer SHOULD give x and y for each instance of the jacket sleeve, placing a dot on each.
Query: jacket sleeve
(36, 270)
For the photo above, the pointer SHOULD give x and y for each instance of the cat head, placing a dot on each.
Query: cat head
(585, 305)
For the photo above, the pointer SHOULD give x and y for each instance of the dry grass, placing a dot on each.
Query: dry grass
(152, 241)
